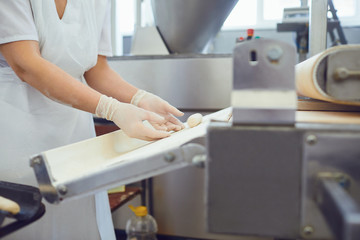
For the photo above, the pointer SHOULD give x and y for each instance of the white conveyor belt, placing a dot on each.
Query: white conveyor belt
(114, 159)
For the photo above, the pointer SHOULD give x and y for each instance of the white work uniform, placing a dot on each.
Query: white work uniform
(31, 123)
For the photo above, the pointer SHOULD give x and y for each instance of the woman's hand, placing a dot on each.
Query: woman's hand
(130, 119)
(153, 103)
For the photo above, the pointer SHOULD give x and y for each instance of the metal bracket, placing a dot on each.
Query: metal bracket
(43, 173)
(264, 83)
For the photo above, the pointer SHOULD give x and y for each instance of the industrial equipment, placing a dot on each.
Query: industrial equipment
(271, 171)
(292, 180)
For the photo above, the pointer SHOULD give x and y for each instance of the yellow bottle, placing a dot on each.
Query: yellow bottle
(141, 226)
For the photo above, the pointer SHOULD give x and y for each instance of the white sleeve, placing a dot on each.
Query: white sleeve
(16, 21)
(105, 48)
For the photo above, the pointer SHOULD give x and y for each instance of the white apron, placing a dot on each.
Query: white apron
(30, 123)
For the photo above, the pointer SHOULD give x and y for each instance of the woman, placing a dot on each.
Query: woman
(53, 77)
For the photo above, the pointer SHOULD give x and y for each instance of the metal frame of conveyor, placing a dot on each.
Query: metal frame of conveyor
(121, 173)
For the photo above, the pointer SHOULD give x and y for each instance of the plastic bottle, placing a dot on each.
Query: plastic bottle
(142, 226)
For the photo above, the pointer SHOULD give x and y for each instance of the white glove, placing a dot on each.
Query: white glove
(130, 119)
(153, 103)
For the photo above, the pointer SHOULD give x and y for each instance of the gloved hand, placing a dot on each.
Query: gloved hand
(153, 103)
(130, 119)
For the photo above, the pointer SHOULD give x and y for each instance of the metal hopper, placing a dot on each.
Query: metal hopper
(188, 25)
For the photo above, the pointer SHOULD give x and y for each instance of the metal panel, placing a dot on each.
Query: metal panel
(257, 116)
(264, 64)
(186, 81)
(264, 73)
(179, 206)
(253, 180)
(327, 152)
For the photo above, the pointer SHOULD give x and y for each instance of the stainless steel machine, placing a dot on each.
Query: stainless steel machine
(267, 175)
(268, 194)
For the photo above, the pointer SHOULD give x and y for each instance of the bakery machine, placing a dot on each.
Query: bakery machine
(270, 172)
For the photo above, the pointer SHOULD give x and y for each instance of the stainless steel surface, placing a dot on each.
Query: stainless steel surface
(121, 173)
(272, 67)
(253, 180)
(256, 174)
(343, 77)
(334, 151)
(263, 116)
(179, 205)
(328, 127)
(199, 82)
(188, 25)
(263, 67)
(317, 26)
(341, 211)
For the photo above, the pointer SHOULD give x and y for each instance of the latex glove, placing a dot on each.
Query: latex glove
(157, 105)
(130, 119)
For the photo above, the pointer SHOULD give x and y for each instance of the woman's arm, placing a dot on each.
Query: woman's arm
(25, 59)
(105, 80)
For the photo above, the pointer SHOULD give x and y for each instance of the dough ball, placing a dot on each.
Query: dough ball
(9, 205)
(194, 120)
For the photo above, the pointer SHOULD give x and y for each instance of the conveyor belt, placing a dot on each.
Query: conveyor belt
(114, 159)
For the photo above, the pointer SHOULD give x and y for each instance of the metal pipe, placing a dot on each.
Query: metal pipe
(317, 26)
(138, 14)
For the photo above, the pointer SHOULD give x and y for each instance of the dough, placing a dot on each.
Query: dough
(9, 205)
(194, 120)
